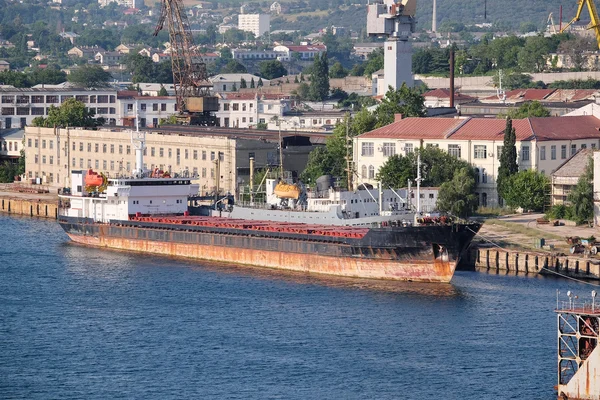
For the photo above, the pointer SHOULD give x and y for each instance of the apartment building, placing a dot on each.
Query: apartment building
(259, 24)
(151, 109)
(246, 110)
(18, 107)
(254, 55)
(307, 120)
(11, 144)
(543, 144)
(51, 154)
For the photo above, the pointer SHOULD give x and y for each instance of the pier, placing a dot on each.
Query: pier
(21, 200)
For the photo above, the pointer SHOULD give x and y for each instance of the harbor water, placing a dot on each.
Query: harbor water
(84, 323)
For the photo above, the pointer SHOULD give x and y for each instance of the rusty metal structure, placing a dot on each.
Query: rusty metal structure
(578, 352)
(195, 103)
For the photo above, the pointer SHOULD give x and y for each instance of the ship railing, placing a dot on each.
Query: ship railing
(579, 307)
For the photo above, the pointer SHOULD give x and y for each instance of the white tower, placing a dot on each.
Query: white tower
(394, 19)
(434, 19)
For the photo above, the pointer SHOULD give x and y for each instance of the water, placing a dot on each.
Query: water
(77, 322)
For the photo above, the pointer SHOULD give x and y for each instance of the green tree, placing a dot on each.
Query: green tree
(319, 79)
(532, 57)
(508, 158)
(526, 110)
(70, 113)
(337, 70)
(396, 171)
(374, 63)
(457, 197)
(243, 84)
(582, 196)
(90, 76)
(272, 69)
(527, 190)
(252, 83)
(8, 171)
(163, 91)
(233, 67)
(260, 82)
(406, 101)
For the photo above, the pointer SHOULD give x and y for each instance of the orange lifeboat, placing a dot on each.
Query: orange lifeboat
(95, 182)
(286, 191)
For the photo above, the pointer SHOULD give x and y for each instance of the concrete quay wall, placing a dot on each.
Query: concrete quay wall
(29, 207)
(535, 263)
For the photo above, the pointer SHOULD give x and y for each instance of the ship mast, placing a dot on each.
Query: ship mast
(138, 140)
(418, 182)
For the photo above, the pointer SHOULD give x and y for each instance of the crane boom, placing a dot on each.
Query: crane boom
(595, 21)
(195, 104)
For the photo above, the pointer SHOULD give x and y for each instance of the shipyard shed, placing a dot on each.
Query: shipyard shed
(188, 151)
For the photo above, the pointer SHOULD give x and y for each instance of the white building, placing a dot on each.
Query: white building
(302, 52)
(11, 144)
(543, 144)
(254, 55)
(18, 107)
(227, 82)
(259, 24)
(150, 109)
(246, 110)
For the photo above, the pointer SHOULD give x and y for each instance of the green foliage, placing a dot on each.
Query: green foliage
(319, 79)
(508, 158)
(272, 69)
(261, 125)
(515, 80)
(8, 171)
(431, 61)
(582, 195)
(243, 84)
(526, 110)
(527, 190)
(233, 67)
(252, 83)
(355, 101)
(331, 159)
(337, 70)
(374, 63)
(558, 211)
(162, 91)
(457, 196)
(170, 120)
(406, 101)
(70, 113)
(437, 167)
(49, 76)
(90, 76)
(302, 92)
(576, 84)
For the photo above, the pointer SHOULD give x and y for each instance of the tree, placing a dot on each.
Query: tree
(243, 84)
(532, 57)
(374, 63)
(406, 101)
(338, 71)
(260, 82)
(527, 190)
(234, 87)
(163, 91)
(528, 109)
(90, 76)
(457, 197)
(8, 171)
(396, 171)
(70, 113)
(582, 196)
(319, 79)
(508, 157)
(252, 83)
(233, 67)
(271, 69)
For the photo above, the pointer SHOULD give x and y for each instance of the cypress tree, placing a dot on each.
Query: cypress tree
(296, 79)
(508, 158)
(243, 84)
(319, 80)
(252, 83)
(260, 82)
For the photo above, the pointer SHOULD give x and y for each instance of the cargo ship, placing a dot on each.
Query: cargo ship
(148, 212)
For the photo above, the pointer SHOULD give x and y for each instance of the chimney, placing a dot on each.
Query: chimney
(434, 19)
(397, 117)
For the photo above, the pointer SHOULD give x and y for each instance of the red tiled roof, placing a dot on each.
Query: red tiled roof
(416, 128)
(566, 128)
(524, 95)
(445, 94)
(572, 95)
(492, 129)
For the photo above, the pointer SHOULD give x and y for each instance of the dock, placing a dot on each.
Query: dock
(28, 200)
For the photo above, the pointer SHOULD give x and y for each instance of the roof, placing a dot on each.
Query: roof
(235, 78)
(575, 165)
(540, 129)
(566, 128)
(4, 62)
(313, 47)
(13, 134)
(523, 95)
(572, 95)
(416, 128)
(445, 94)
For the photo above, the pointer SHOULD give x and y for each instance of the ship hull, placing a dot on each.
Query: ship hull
(414, 259)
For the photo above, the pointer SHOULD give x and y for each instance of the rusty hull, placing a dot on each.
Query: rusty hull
(435, 270)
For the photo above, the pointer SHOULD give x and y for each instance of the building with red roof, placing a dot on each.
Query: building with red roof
(441, 98)
(543, 144)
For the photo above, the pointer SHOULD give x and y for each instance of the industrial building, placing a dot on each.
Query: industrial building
(51, 154)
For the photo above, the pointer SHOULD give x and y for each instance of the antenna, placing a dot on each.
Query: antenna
(499, 91)
(418, 180)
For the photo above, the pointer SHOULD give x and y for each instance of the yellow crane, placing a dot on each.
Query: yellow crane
(595, 21)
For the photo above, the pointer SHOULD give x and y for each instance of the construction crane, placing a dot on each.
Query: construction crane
(550, 27)
(595, 22)
(195, 103)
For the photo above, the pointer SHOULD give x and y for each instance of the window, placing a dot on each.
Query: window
(524, 153)
(128, 149)
(212, 173)
(43, 143)
(112, 149)
(186, 153)
(178, 156)
(363, 172)
(195, 154)
(563, 152)
(112, 165)
(104, 148)
(81, 163)
(593, 145)
(51, 160)
(483, 176)
(89, 147)
(36, 159)
(371, 172)
(155, 107)
(96, 164)
(152, 151)
(104, 164)
(80, 146)
(120, 149)
(454, 150)
(212, 156)
(408, 148)
(73, 146)
(37, 110)
(389, 149)
(102, 98)
(484, 199)
(28, 142)
(553, 152)
(161, 152)
(143, 106)
(155, 122)
(226, 107)
(543, 152)
(129, 107)
(74, 162)
(236, 107)
(170, 154)
(204, 154)
(96, 147)
(573, 149)
(204, 172)
(163, 107)
(89, 163)
(243, 119)
(477, 176)
(584, 146)
(480, 151)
